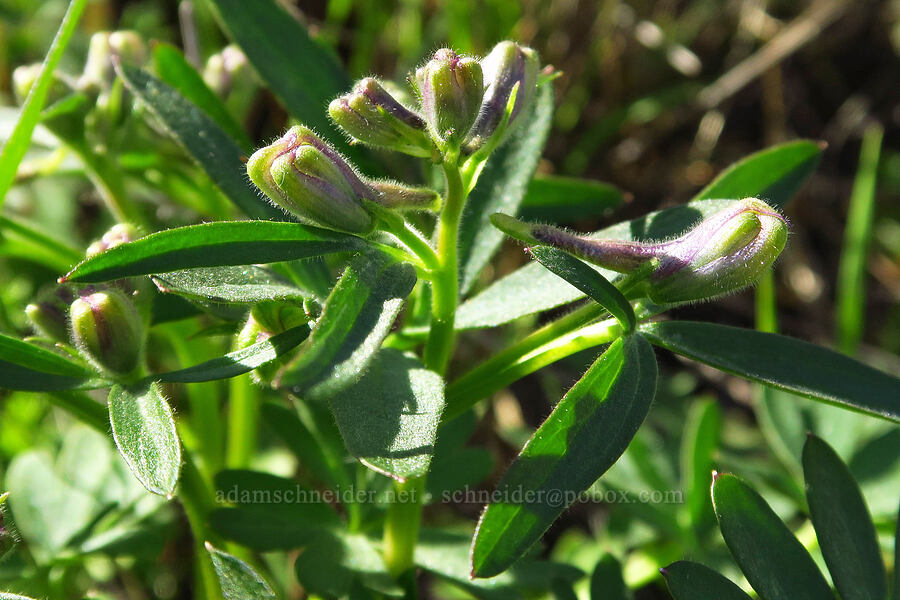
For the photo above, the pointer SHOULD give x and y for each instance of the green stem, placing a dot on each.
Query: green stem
(401, 526)
(243, 421)
(445, 284)
(196, 498)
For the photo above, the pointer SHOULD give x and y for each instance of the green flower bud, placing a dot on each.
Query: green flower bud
(451, 88)
(127, 46)
(509, 66)
(50, 314)
(225, 69)
(370, 115)
(119, 234)
(267, 319)
(23, 79)
(107, 330)
(307, 178)
(398, 196)
(723, 253)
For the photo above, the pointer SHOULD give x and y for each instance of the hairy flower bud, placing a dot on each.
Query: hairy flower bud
(267, 319)
(451, 88)
(121, 233)
(107, 330)
(373, 116)
(307, 178)
(50, 314)
(127, 46)
(508, 66)
(398, 196)
(723, 253)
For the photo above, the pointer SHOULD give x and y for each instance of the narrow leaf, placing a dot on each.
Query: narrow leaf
(701, 438)
(389, 418)
(237, 579)
(693, 581)
(144, 430)
(784, 363)
(589, 281)
(243, 284)
(27, 367)
(774, 174)
(606, 580)
(551, 198)
(216, 153)
(238, 362)
(502, 186)
(177, 72)
(843, 524)
(221, 243)
(583, 436)
(774, 562)
(356, 318)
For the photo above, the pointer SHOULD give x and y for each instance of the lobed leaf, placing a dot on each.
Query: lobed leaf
(389, 418)
(355, 319)
(843, 524)
(589, 281)
(222, 243)
(501, 187)
(774, 562)
(213, 149)
(240, 361)
(27, 367)
(784, 363)
(237, 579)
(144, 431)
(240, 284)
(693, 581)
(583, 436)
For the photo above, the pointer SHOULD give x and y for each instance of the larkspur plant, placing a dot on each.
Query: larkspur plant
(367, 366)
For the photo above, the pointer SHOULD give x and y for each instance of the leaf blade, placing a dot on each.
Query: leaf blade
(240, 284)
(693, 581)
(237, 579)
(27, 367)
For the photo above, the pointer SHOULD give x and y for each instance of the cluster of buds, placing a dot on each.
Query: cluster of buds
(265, 320)
(307, 178)
(723, 253)
(99, 71)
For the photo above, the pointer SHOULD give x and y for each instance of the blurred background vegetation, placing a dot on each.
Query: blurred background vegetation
(655, 99)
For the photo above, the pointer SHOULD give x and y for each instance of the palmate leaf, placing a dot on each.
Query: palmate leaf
(583, 436)
(144, 431)
(784, 363)
(389, 418)
(237, 579)
(27, 367)
(221, 243)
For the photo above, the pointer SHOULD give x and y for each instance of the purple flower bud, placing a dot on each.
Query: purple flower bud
(119, 234)
(451, 88)
(372, 116)
(107, 330)
(307, 178)
(50, 314)
(723, 253)
(508, 66)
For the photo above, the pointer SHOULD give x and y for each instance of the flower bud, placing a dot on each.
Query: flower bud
(723, 253)
(267, 319)
(107, 330)
(23, 79)
(307, 178)
(373, 116)
(119, 234)
(507, 66)
(127, 46)
(398, 196)
(222, 70)
(451, 88)
(50, 314)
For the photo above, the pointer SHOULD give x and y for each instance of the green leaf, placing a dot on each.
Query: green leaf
(583, 436)
(556, 199)
(501, 187)
(843, 524)
(301, 73)
(356, 318)
(240, 361)
(531, 289)
(774, 562)
(173, 69)
(693, 581)
(221, 243)
(784, 363)
(606, 580)
(699, 444)
(13, 151)
(35, 245)
(216, 153)
(389, 418)
(243, 284)
(589, 281)
(270, 513)
(237, 579)
(774, 174)
(27, 367)
(5, 596)
(334, 561)
(144, 430)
